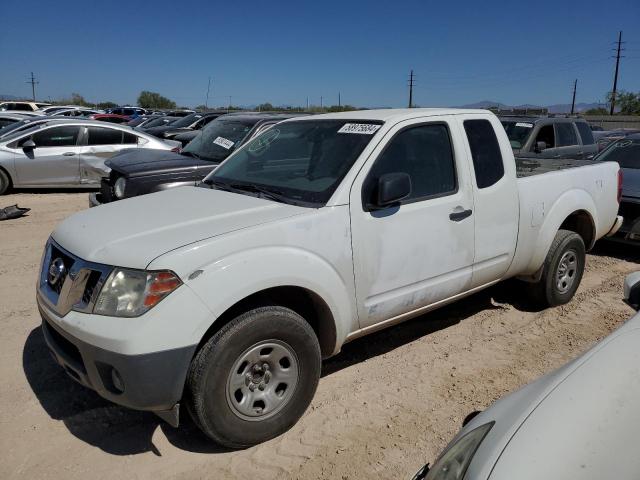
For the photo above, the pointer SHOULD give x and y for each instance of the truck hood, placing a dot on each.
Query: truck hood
(139, 162)
(133, 232)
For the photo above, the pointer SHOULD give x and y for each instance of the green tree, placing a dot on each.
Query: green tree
(627, 103)
(105, 105)
(265, 107)
(596, 111)
(148, 99)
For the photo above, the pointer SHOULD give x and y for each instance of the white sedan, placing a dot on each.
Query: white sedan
(579, 422)
(66, 153)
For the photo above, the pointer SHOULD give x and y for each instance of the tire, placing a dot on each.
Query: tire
(5, 182)
(233, 397)
(562, 270)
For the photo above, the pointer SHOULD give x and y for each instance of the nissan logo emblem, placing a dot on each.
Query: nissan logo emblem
(57, 271)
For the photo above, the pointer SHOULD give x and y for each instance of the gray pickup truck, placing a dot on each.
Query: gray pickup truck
(550, 137)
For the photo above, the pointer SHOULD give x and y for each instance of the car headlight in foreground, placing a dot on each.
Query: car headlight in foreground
(453, 463)
(118, 188)
(130, 293)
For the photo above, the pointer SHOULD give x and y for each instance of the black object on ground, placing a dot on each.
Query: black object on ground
(13, 211)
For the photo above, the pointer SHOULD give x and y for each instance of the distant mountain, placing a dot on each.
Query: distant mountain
(8, 97)
(557, 108)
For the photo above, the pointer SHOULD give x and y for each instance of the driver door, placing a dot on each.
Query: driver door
(54, 161)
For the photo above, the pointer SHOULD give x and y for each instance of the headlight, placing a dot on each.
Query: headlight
(118, 188)
(453, 463)
(130, 293)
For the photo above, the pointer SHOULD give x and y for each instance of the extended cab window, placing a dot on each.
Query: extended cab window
(104, 136)
(485, 152)
(626, 152)
(567, 136)
(585, 133)
(56, 137)
(424, 153)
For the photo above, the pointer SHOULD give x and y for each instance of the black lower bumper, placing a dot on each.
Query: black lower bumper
(153, 381)
(95, 199)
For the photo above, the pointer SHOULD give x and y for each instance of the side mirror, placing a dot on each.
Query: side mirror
(632, 290)
(392, 187)
(540, 146)
(28, 145)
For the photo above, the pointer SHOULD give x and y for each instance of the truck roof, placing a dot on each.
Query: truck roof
(396, 114)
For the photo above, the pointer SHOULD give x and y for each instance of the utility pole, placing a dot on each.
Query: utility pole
(339, 100)
(307, 104)
(411, 89)
(320, 102)
(229, 106)
(573, 102)
(33, 86)
(615, 77)
(206, 102)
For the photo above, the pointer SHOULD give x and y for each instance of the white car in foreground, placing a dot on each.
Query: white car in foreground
(320, 230)
(580, 422)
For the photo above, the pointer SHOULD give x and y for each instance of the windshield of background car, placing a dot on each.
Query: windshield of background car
(301, 162)
(518, 132)
(186, 121)
(220, 138)
(157, 122)
(626, 152)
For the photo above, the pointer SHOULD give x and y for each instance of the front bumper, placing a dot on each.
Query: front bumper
(150, 381)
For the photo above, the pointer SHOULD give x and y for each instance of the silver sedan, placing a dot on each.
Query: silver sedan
(579, 422)
(66, 153)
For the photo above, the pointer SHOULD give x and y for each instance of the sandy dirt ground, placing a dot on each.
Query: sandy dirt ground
(385, 406)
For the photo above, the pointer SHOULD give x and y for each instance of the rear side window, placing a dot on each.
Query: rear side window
(129, 138)
(21, 106)
(56, 137)
(585, 133)
(104, 136)
(425, 154)
(485, 152)
(566, 135)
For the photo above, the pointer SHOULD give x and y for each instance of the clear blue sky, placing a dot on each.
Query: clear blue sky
(283, 51)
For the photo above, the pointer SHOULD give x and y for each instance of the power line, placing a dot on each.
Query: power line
(615, 76)
(33, 86)
(411, 83)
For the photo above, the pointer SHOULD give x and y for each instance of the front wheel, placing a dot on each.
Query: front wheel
(562, 270)
(253, 379)
(5, 182)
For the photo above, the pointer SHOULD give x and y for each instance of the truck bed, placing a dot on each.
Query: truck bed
(528, 166)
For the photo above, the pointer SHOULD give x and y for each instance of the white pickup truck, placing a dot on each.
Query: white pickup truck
(320, 230)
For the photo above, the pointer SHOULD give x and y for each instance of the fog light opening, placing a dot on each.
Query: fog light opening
(117, 381)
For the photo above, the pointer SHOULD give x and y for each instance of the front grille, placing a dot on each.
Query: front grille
(78, 282)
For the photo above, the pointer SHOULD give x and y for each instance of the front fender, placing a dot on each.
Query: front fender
(232, 278)
(569, 202)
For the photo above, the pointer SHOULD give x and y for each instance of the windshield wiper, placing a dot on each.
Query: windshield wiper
(271, 194)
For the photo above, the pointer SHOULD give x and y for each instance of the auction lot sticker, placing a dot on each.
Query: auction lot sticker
(525, 125)
(361, 128)
(223, 142)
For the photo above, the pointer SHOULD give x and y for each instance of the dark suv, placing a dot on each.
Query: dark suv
(550, 137)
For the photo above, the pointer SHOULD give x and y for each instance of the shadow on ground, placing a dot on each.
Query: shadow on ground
(120, 431)
(621, 251)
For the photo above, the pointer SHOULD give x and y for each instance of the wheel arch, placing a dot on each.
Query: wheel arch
(306, 303)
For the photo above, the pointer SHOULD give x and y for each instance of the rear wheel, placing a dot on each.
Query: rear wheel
(5, 182)
(254, 378)
(562, 270)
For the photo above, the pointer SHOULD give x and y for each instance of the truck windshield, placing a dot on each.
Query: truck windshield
(626, 152)
(300, 162)
(518, 132)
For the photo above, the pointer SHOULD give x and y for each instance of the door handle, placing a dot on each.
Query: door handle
(69, 154)
(458, 215)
